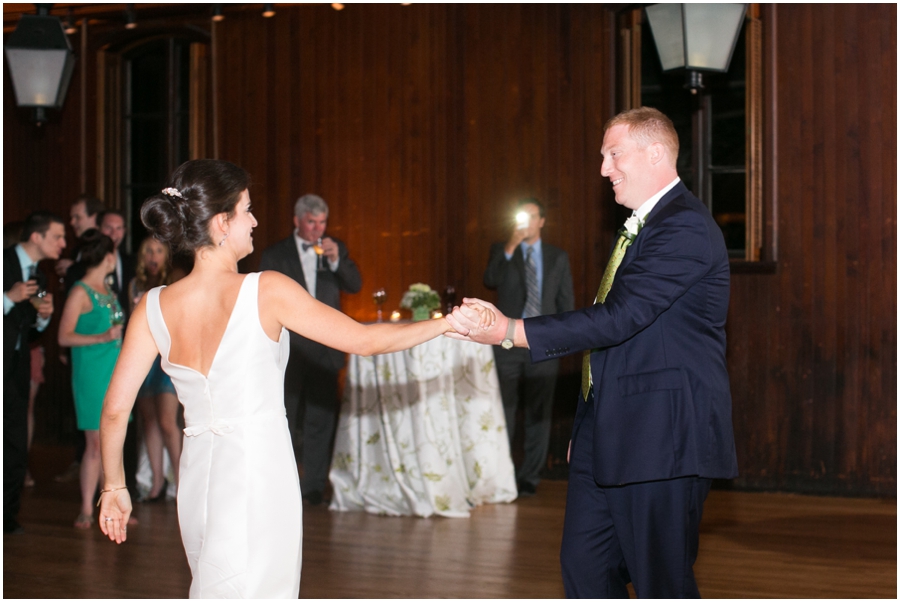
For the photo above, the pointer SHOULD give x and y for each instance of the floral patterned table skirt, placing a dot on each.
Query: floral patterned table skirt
(422, 432)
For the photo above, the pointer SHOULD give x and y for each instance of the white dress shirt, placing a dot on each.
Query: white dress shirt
(310, 263)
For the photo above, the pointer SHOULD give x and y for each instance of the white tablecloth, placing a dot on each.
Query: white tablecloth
(422, 432)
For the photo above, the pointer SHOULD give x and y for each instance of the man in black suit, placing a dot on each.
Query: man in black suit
(532, 278)
(112, 224)
(83, 215)
(323, 267)
(26, 312)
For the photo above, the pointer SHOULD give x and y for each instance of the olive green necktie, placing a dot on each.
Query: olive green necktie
(622, 244)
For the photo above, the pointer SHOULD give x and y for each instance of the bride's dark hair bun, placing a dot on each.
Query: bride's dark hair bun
(197, 191)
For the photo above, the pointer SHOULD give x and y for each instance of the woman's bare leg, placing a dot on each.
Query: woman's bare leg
(153, 440)
(167, 408)
(90, 471)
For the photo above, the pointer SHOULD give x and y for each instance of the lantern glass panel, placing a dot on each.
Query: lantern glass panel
(668, 32)
(37, 75)
(710, 34)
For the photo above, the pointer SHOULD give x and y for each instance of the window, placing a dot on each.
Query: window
(719, 130)
(155, 118)
(153, 115)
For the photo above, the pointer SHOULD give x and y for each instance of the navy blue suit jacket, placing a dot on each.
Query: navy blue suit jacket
(663, 400)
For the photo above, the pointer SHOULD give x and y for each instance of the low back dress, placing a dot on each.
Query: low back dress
(239, 504)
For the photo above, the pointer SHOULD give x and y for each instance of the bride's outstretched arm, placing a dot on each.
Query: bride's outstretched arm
(283, 302)
(137, 356)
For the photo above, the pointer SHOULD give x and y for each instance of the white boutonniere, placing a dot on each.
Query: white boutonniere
(631, 228)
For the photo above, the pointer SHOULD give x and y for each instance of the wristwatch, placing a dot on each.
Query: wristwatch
(507, 343)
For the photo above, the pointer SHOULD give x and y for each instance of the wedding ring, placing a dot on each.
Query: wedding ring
(108, 519)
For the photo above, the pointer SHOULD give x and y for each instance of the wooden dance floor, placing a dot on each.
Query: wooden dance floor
(753, 545)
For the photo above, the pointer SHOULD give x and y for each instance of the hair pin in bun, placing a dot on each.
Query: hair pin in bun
(172, 192)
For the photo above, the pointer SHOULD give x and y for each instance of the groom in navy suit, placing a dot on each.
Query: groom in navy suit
(653, 424)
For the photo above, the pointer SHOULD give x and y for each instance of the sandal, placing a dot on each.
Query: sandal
(84, 521)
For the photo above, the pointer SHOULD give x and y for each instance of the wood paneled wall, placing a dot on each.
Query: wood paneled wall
(421, 125)
(813, 347)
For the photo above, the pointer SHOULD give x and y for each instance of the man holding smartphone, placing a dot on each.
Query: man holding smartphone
(531, 278)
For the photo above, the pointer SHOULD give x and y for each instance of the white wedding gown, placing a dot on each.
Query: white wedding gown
(239, 502)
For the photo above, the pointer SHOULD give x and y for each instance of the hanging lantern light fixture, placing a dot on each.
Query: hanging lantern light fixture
(696, 37)
(41, 62)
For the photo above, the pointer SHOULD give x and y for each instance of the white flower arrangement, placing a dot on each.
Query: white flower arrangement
(420, 295)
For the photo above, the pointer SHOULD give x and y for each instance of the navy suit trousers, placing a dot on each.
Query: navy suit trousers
(643, 533)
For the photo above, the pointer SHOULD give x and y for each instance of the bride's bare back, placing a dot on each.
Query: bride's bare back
(196, 311)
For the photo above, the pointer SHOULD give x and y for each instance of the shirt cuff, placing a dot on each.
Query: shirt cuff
(333, 266)
(7, 304)
(508, 255)
(41, 323)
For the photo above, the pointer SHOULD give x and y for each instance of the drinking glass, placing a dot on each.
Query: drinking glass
(449, 299)
(379, 297)
(41, 281)
(320, 257)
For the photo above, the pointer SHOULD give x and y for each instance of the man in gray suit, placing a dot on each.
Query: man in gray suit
(322, 266)
(531, 278)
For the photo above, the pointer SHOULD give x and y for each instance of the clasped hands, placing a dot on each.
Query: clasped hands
(477, 321)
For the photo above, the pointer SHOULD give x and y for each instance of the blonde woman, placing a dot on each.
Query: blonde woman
(156, 403)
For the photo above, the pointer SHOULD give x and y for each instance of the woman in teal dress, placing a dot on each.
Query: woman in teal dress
(91, 324)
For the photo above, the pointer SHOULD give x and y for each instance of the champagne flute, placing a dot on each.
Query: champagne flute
(379, 297)
(320, 264)
(116, 313)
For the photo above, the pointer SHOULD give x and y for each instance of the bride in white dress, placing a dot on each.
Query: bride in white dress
(222, 338)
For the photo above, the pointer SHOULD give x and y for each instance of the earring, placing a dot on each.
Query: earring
(222, 242)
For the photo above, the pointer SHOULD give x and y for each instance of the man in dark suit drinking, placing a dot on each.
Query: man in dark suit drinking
(112, 224)
(322, 266)
(27, 309)
(653, 425)
(532, 278)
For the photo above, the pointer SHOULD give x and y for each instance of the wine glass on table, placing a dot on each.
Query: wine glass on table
(449, 299)
(379, 297)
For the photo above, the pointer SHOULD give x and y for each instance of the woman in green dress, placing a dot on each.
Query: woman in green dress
(91, 324)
